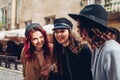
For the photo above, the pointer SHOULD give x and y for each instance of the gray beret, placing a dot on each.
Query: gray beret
(31, 26)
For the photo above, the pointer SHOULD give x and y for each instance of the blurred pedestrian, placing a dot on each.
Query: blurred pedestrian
(92, 25)
(73, 58)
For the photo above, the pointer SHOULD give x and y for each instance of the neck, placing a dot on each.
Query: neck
(38, 50)
(66, 43)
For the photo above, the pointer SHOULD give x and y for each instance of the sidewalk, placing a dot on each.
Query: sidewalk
(11, 74)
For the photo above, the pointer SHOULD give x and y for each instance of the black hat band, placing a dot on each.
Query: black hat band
(95, 18)
(62, 24)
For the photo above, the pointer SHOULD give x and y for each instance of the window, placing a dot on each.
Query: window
(28, 22)
(9, 10)
(17, 14)
(4, 16)
(49, 20)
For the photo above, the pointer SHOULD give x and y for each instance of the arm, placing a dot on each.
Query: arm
(50, 66)
(53, 66)
(112, 65)
(23, 61)
(86, 53)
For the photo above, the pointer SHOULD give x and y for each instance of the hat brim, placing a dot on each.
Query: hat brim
(59, 27)
(90, 20)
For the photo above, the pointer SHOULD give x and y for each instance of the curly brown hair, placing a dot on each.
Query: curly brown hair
(98, 36)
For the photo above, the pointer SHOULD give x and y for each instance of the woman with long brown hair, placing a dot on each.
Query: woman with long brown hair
(72, 57)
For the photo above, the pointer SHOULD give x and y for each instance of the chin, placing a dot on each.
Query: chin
(38, 46)
(60, 42)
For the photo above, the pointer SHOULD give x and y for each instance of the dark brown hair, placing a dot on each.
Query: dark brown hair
(58, 50)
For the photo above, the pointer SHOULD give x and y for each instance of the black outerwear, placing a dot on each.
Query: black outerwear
(77, 66)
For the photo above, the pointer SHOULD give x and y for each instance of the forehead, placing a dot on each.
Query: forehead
(36, 34)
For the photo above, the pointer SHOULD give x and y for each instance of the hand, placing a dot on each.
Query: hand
(46, 70)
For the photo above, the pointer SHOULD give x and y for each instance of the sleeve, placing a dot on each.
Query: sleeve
(53, 62)
(86, 52)
(112, 65)
(23, 61)
(22, 56)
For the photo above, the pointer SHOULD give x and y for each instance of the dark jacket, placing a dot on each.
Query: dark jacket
(77, 66)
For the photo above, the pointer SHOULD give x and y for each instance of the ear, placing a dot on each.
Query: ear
(84, 33)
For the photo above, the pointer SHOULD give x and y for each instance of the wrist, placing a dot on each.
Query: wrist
(52, 67)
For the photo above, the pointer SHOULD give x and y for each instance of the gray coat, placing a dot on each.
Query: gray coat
(106, 64)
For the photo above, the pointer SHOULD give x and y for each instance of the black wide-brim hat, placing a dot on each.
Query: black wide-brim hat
(93, 14)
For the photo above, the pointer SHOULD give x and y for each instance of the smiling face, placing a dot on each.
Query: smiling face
(61, 35)
(37, 40)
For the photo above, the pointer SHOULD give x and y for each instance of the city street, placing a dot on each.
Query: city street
(11, 74)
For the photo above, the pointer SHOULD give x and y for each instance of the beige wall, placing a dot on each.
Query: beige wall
(114, 20)
(36, 10)
(115, 23)
(3, 3)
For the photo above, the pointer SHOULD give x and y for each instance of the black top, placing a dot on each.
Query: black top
(77, 66)
(74, 66)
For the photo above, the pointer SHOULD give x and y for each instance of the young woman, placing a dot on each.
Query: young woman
(36, 54)
(73, 58)
(92, 24)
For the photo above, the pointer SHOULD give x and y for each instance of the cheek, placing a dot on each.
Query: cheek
(34, 43)
(66, 36)
(43, 41)
(55, 35)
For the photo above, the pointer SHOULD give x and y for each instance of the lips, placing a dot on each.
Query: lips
(60, 39)
(40, 44)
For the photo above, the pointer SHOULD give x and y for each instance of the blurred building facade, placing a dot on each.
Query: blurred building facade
(19, 13)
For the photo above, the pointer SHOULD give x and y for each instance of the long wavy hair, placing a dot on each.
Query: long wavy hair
(97, 35)
(58, 50)
(29, 48)
(117, 34)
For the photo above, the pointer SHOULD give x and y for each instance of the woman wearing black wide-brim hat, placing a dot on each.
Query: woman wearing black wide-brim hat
(92, 25)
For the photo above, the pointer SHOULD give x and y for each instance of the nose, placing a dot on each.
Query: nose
(39, 40)
(59, 34)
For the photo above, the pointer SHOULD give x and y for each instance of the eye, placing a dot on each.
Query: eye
(34, 38)
(62, 31)
(55, 31)
(41, 37)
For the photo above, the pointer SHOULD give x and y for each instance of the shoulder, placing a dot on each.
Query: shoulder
(85, 49)
(22, 55)
(23, 51)
(111, 45)
(111, 49)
